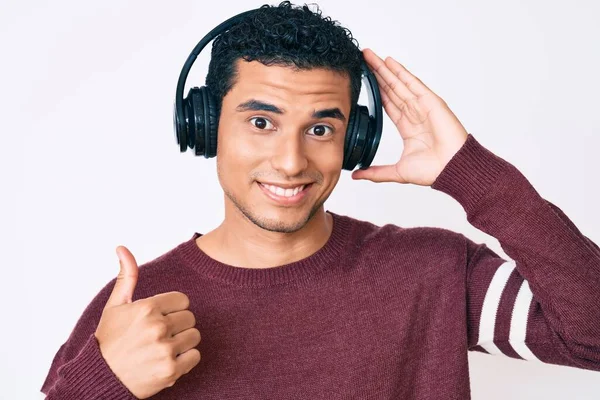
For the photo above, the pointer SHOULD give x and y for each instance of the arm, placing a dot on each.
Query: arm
(543, 303)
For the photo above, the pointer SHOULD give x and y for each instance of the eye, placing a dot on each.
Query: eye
(261, 123)
(321, 130)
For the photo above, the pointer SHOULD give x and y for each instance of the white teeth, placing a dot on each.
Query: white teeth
(284, 192)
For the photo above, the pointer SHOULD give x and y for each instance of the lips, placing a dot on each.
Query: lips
(285, 196)
(280, 191)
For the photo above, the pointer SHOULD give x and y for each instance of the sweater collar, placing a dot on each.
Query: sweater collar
(323, 259)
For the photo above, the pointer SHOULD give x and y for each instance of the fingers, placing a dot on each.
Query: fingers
(405, 85)
(414, 84)
(187, 360)
(392, 108)
(379, 173)
(170, 302)
(122, 292)
(185, 340)
(180, 321)
(390, 82)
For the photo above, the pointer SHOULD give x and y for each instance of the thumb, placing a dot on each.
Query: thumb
(379, 173)
(122, 292)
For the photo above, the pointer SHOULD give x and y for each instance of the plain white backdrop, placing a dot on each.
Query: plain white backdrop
(89, 158)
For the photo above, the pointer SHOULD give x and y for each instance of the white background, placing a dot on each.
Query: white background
(89, 159)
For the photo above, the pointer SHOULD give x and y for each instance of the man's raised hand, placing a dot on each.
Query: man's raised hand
(148, 343)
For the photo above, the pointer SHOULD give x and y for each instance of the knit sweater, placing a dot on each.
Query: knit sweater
(378, 312)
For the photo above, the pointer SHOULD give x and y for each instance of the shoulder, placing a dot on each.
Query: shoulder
(392, 244)
(389, 235)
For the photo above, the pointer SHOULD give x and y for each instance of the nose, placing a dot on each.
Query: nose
(289, 156)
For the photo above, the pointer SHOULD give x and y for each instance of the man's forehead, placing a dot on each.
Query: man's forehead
(283, 77)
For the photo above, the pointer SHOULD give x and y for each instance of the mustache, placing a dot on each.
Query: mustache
(303, 177)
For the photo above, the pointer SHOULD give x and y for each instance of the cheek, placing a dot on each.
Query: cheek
(330, 165)
(236, 156)
(234, 142)
(330, 157)
(333, 168)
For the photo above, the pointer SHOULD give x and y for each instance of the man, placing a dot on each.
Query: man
(286, 300)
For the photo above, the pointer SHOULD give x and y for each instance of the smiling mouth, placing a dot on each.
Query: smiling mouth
(287, 195)
(284, 192)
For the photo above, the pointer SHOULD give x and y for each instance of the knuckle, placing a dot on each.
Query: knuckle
(170, 383)
(440, 101)
(146, 307)
(197, 336)
(193, 318)
(186, 300)
(165, 352)
(195, 357)
(169, 371)
(159, 329)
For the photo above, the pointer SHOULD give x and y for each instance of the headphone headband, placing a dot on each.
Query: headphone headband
(367, 135)
(222, 27)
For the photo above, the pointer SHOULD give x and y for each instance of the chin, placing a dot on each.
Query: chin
(283, 220)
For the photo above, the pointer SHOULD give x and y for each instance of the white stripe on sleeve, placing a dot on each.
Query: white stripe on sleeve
(487, 322)
(518, 322)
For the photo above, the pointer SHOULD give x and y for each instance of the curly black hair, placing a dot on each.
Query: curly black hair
(288, 36)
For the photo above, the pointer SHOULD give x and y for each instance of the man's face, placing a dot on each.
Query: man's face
(281, 142)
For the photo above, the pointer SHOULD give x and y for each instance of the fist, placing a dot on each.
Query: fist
(149, 343)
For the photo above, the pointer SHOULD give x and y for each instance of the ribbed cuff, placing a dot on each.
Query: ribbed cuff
(469, 174)
(88, 377)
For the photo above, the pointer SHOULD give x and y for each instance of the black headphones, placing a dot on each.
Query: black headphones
(195, 118)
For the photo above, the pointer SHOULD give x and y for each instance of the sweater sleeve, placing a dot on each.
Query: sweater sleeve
(542, 303)
(78, 370)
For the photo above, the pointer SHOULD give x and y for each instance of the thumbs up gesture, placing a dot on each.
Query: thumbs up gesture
(148, 343)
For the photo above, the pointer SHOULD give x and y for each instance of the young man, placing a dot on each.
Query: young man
(285, 300)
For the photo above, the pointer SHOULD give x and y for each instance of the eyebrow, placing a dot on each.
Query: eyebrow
(329, 113)
(257, 105)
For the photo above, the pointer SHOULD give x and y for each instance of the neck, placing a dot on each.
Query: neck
(237, 241)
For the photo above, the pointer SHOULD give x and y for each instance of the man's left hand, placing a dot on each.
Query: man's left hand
(431, 133)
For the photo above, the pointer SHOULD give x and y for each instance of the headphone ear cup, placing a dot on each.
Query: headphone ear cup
(180, 127)
(371, 143)
(211, 122)
(350, 136)
(194, 111)
(356, 136)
